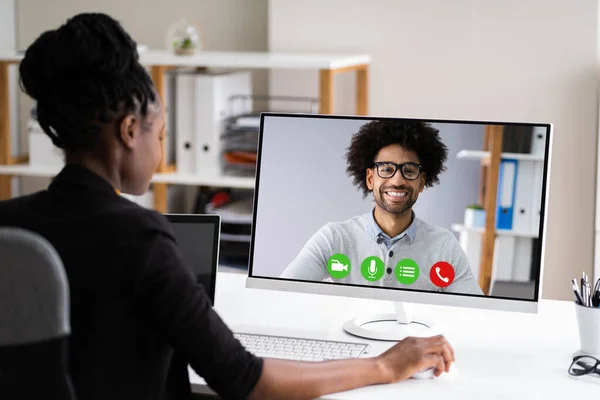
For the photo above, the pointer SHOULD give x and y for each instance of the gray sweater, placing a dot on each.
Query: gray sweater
(360, 237)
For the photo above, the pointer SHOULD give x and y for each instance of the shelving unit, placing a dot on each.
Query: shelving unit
(520, 235)
(489, 158)
(159, 62)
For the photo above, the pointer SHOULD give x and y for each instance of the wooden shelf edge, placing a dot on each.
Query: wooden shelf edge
(18, 160)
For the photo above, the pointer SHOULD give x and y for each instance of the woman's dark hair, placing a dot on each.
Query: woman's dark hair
(415, 136)
(83, 75)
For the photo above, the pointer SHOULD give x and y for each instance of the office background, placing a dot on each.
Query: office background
(528, 60)
(301, 190)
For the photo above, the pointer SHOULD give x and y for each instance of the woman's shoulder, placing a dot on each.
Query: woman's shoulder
(141, 218)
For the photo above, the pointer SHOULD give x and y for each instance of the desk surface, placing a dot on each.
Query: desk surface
(499, 355)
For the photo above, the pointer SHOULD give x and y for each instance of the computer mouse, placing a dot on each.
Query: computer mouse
(425, 374)
(451, 375)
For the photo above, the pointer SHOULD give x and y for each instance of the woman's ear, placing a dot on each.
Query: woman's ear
(128, 130)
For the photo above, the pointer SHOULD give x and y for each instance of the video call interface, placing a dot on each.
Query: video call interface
(400, 204)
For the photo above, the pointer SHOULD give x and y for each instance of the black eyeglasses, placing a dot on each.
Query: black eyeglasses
(387, 169)
(583, 365)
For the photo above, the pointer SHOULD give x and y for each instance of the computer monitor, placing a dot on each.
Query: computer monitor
(198, 238)
(441, 212)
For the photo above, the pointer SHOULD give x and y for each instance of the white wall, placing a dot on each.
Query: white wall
(445, 203)
(531, 60)
(225, 24)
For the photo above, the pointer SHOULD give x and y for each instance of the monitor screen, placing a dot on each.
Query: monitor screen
(451, 208)
(198, 239)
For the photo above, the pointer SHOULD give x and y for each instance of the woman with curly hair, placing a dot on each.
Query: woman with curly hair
(395, 160)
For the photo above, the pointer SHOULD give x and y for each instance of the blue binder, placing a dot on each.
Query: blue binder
(507, 181)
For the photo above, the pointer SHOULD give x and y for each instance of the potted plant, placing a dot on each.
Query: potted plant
(184, 38)
(475, 216)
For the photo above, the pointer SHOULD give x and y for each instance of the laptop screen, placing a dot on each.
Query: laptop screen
(198, 239)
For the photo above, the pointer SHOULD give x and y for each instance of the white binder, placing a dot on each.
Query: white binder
(506, 193)
(523, 197)
(203, 106)
(536, 198)
(538, 141)
(522, 259)
(184, 137)
(512, 258)
(470, 241)
(504, 256)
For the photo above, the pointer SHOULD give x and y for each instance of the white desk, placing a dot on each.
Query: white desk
(499, 355)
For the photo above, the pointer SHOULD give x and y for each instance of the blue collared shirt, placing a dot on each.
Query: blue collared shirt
(376, 231)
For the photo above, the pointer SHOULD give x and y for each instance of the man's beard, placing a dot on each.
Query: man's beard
(395, 208)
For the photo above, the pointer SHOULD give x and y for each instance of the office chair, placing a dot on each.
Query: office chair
(34, 319)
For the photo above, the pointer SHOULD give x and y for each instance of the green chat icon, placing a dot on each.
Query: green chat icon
(407, 271)
(338, 266)
(372, 268)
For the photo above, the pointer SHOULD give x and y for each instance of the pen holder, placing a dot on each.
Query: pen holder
(588, 322)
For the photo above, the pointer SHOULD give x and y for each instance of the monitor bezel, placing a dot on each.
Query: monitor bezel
(215, 220)
(395, 294)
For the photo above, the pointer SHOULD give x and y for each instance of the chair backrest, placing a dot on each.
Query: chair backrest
(34, 318)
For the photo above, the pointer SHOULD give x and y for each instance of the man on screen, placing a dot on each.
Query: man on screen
(389, 246)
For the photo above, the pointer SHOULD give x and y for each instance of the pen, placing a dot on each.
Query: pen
(578, 298)
(596, 295)
(588, 294)
(583, 293)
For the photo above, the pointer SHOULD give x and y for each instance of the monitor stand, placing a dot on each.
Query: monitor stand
(392, 327)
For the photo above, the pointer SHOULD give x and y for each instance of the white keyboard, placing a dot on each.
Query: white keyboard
(301, 349)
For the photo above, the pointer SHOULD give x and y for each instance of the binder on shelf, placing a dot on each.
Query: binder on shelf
(184, 139)
(523, 255)
(470, 241)
(202, 112)
(506, 193)
(538, 141)
(523, 197)
(504, 256)
(536, 207)
(512, 259)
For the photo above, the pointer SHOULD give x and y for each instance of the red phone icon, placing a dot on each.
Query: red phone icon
(441, 274)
